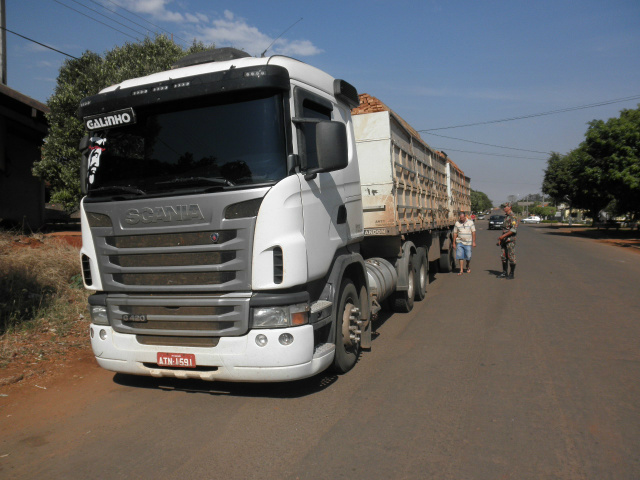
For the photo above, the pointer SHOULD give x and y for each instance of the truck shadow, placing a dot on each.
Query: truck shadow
(295, 389)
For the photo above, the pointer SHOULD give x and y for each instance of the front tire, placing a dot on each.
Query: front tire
(347, 328)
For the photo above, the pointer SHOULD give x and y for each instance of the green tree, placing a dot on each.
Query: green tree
(614, 149)
(603, 171)
(480, 202)
(518, 209)
(559, 182)
(536, 210)
(548, 212)
(80, 78)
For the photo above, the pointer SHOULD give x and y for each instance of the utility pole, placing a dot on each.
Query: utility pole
(3, 44)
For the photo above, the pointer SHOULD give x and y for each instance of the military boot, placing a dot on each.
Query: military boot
(505, 270)
(511, 275)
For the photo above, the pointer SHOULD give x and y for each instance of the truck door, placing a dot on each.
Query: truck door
(323, 197)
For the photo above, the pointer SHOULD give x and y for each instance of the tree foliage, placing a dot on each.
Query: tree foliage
(541, 211)
(603, 168)
(480, 202)
(80, 78)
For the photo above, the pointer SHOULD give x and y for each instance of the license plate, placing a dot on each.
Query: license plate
(184, 360)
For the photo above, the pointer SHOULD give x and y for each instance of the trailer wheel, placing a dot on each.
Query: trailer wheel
(347, 328)
(402, 302)
(421, 269)
(447, 260)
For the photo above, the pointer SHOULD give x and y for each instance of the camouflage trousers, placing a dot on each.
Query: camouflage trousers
(508, 251)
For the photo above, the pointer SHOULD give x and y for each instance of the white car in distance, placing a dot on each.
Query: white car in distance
(531, 219)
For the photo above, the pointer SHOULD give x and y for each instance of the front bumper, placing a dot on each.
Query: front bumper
(236, 359)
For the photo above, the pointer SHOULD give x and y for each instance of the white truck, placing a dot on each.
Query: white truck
(240, 224)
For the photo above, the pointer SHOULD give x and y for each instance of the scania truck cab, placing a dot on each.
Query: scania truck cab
(222, 221)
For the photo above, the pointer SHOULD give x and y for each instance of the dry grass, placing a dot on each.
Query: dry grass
(43, 306)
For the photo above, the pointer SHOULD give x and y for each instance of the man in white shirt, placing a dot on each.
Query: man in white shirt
(464, 237)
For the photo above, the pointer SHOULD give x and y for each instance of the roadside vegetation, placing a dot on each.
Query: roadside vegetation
(42, 300)
(603, 172)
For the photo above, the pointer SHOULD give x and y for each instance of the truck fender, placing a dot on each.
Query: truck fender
(402, 266)
(350, 265)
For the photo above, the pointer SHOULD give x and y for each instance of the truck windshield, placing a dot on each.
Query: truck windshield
(193, 147)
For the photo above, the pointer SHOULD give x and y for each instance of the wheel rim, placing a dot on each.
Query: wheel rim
(423, 277)
(411, 288)
(351, 333)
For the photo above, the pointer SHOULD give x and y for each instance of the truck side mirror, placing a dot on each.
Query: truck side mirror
(331, 147)
(84, 148)
(331, 144)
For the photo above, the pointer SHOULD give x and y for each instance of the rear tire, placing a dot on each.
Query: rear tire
(402, 302)
(447, 260)
(347, 348)
(421, 269)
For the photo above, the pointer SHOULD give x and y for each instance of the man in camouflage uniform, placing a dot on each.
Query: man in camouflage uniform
(507, 242)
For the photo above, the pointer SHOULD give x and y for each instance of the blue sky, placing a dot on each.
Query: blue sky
(437, 64)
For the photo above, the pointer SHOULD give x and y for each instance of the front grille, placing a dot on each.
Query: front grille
(170, 239)
(211, 260)
(175, 279)
(172, 259)
(154, 317)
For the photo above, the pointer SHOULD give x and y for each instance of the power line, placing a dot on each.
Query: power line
(490, 182)
(488, 144)
(492, 154)
(112, 20)
(84, 14)
(41, 44)
(122, 16)
(145, 20)
(552, 112)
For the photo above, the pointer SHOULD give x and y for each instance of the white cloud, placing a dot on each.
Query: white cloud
(236, 32)
(223, 31)
(158, 10)
(303, 48)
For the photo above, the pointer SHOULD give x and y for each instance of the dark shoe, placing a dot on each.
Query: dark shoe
(503, 275)
(513, 270)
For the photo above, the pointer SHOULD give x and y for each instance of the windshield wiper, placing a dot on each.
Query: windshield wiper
(118, 189)
(198, 181)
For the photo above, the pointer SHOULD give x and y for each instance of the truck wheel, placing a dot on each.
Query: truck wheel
(421, 268)
(402, 302)
(347, 328)
(445, 262)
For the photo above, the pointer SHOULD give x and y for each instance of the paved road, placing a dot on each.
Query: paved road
(535, 378)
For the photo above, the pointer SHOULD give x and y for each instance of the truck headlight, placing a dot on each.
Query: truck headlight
(99, 314)
(279, 317)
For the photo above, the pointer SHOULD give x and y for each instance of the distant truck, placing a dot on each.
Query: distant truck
(239, 223)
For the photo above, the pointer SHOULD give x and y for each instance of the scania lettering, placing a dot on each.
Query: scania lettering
(245, 219)
(179, 213)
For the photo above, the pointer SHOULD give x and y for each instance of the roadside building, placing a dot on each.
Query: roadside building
(23, 127)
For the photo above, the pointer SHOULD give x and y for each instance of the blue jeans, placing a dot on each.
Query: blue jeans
(463, 252)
